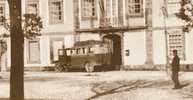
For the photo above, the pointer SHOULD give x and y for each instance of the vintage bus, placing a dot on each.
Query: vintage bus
(89, 55)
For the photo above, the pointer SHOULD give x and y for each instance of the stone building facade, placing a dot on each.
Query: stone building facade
(57, 32)
(143, 37)
(145, 34)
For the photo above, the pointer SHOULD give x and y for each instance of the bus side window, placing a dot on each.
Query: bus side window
(78, 51)
(86, 50)
(71, 52)
(90, 50)
(68, 52)
(61, 52)
(83, 50)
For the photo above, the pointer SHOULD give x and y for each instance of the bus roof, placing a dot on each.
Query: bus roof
(83, 44)
(87, 43)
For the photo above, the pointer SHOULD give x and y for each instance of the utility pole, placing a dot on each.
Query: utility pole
(17, 43)
(165, 15)
(102, 22)
(166, 40)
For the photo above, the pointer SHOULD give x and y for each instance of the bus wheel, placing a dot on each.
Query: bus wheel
(66, 69)
(59, 68)
(89, 67)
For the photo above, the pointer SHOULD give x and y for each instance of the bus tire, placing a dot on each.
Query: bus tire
(89, 67)
(65, 68)
(58, 68)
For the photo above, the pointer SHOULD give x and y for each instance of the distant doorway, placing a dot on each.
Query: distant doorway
(115, 45)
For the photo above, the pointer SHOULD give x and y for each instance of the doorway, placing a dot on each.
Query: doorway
(115, 46)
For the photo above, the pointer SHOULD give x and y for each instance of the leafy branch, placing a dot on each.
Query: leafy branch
(186, 14)
(32, 25)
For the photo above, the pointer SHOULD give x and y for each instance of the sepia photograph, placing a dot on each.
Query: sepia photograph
(96, 50)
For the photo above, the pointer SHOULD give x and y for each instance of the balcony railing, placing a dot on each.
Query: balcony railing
(110, 21)
(109, 24)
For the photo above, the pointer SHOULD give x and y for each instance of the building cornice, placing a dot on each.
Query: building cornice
(168, 27)
(111, 29)
(57, 33)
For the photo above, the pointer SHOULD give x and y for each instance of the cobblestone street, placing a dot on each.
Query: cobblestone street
(114, 85)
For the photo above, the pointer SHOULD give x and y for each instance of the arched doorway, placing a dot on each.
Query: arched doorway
(115, 45)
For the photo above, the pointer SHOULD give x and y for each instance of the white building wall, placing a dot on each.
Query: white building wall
(69, 40)
(44, 45)
(159, 47)
(25, 52)
(3, 62)
(172, 22)
(135, 43)
(44, 12)
(89, 36)
(44, 51)
(85, 24)
(65, 27)
(8, 53)
(64, 30)
(189, 48)
(157, 15)
(132, 41)
(136, 22)
(158, 18)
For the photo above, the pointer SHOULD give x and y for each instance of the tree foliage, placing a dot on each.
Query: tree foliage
(3, 44)
(32, 25)
(186, 14)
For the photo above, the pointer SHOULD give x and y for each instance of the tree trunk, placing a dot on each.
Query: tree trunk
(17, 41)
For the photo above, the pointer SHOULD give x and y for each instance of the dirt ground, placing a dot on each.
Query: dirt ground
(112, 85)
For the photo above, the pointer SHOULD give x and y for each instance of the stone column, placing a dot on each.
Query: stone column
(76, 14)
(120, 13)
(76, 19)
(149, 34)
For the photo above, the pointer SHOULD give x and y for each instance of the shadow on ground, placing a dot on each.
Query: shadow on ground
(107, 88)
(28, 99)
(31, 79)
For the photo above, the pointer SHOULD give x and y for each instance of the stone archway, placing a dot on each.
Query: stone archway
(115, 44)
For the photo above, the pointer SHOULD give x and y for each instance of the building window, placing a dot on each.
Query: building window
(56, 11)
(32, 7)
(2, 13)
(108, 7)
(177, 42)
(135, 7)
(33, 51)
(56, 44)
(114, 7)
(88, 8)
